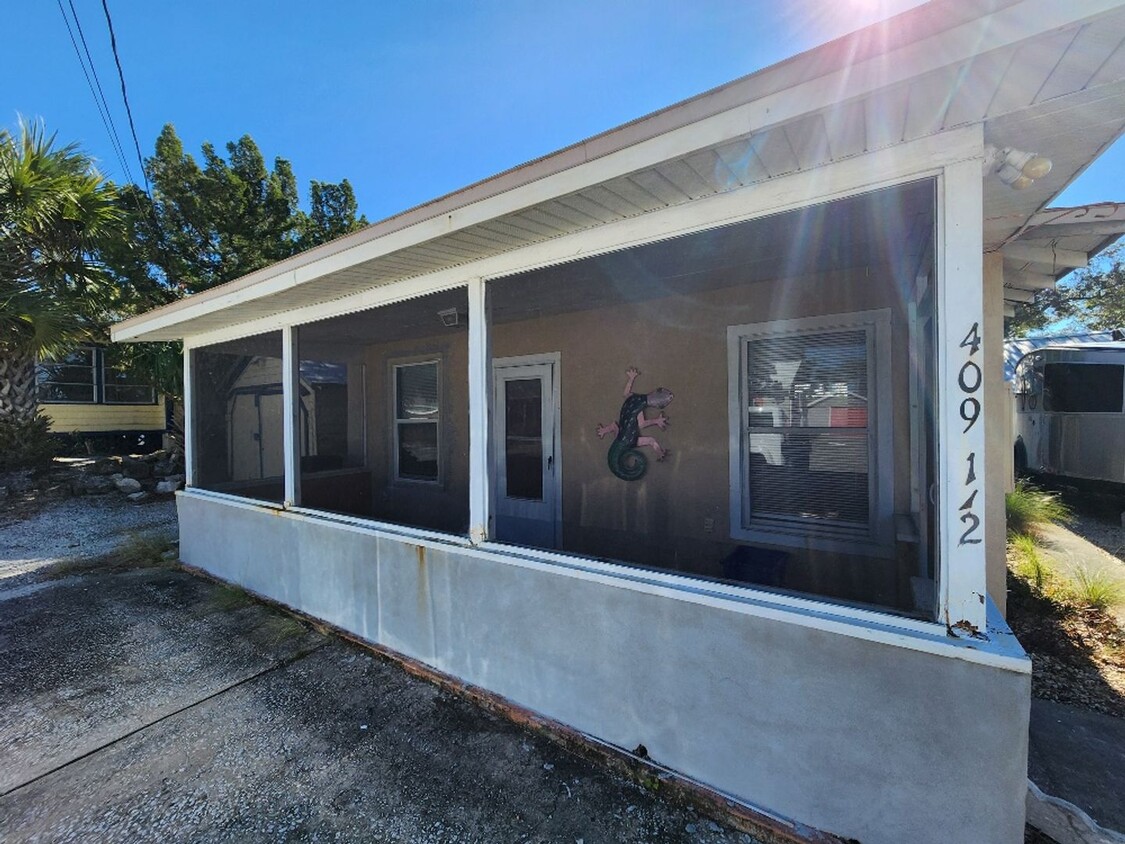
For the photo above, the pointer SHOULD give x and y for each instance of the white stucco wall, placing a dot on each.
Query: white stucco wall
(885, 741)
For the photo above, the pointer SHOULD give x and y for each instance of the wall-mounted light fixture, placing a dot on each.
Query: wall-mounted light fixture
(1014, 167)
(449, 317)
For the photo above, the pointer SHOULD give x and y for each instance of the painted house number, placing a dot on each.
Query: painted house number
(969, 379)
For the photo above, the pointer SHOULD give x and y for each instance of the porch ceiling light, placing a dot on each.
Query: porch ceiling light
(1015, 168)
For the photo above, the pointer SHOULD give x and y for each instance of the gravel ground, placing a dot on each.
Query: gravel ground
(151, 705)
(75, 527)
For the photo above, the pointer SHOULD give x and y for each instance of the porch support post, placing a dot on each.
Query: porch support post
(291, 414)
(479, 398)
(189, 421)
(961, 400)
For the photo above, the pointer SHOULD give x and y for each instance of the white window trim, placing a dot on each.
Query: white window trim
(879, 540)
(395, 365)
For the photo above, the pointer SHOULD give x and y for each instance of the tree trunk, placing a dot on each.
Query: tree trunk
(19, 390)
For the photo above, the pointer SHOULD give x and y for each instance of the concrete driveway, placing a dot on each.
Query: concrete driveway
(146, 704)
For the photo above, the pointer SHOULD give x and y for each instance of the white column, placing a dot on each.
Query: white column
(961, 400)
(291, 414)
(479, 398)
(189, 422)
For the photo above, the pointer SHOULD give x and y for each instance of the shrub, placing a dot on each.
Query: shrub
(1027, 561)
(1030, 508)
(26, 445)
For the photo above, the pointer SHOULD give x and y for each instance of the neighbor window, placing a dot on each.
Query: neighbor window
(70, 379)
(417, 411)
(810, 430)
(119, 386)
(1083, 387)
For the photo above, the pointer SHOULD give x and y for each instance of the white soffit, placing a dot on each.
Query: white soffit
(1056, 241)
(1033, 75)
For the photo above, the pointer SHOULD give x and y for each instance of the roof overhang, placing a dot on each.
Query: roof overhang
(1053, 243)
(1037, 74)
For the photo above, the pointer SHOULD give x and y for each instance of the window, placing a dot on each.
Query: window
(119, 386)
(74, 379)
(71, 379)
(417, 411)
(1083, 387)
(810, 427)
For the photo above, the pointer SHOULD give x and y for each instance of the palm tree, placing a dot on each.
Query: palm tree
(55, 211)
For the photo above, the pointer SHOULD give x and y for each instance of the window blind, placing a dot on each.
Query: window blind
(808, 428)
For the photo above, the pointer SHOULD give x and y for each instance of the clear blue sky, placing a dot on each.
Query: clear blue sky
(409, 100)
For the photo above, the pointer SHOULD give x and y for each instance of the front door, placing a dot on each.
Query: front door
(526, 455)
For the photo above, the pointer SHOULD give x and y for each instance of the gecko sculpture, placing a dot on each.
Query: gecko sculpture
(624, 458)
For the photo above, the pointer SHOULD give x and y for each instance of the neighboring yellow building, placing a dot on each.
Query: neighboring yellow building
(81, 393)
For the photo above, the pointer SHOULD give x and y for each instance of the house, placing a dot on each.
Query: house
(686, 436)
(85, 393)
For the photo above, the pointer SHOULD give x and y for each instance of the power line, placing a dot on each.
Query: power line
(101, 92)
(125, 97)
(107, 119)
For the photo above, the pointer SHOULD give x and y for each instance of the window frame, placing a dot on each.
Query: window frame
(105, 369)
(98, 367)
(401, 363)
(878, 539)
(95, 372)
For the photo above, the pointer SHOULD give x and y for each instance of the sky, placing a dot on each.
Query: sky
(408, 100)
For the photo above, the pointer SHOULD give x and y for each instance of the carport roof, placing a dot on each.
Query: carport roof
(1038, 74)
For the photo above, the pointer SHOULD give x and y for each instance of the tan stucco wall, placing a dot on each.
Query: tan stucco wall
(94, 418)
(997, 430)
(681, 343)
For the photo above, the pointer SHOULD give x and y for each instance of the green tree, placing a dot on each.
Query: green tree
(211, 223)
(207, 223)
(56, 211)
(1093, 299)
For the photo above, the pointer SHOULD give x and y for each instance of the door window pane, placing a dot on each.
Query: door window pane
(523, 444)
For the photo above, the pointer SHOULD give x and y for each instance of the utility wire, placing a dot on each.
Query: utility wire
(106, 118)
(101, 91)
(125, 97)
(162, 242)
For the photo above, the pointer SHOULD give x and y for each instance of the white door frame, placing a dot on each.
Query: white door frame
(553, 360)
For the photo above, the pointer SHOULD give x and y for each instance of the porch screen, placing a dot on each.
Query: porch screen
(237, 423)
(808, 426)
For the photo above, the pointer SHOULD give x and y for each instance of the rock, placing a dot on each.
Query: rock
(129, 485)
(134, 468)
(163, 468)
(116, 476)
(3, 492)
(137, 497)
(92, 485)
(168, 486)
(103, 466)
(155, 456)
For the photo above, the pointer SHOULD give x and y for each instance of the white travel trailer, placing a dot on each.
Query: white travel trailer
(1070, 412)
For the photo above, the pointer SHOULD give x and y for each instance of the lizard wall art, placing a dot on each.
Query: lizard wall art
(624, 458)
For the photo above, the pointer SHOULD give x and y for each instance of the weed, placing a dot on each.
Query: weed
(1030, 508)
(1097, 590)
(142, 550)
(139, 550)
(277, 628)
(1028, 562)
(226, 598)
